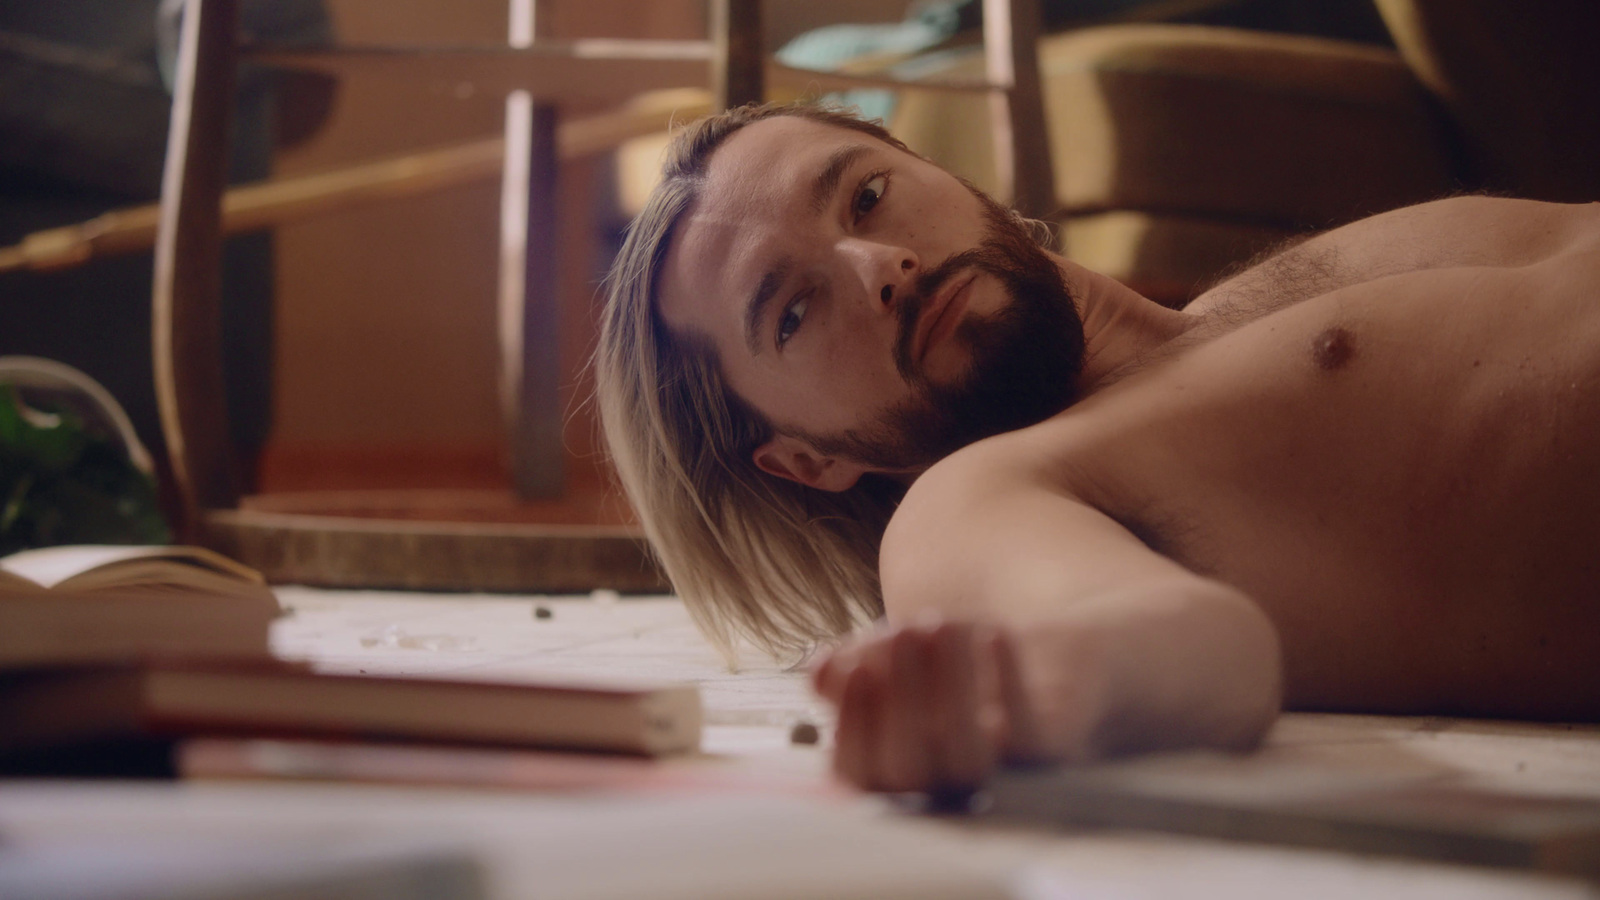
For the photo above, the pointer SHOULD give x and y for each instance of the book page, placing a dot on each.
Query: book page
(12, 583)
(86, 566)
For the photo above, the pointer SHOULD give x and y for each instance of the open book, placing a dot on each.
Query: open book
(85, 604)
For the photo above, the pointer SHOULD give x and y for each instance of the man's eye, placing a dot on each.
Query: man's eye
(871, 192)
(790, 321)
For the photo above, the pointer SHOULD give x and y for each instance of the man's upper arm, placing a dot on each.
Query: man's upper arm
(974, 539)
(1117, 648)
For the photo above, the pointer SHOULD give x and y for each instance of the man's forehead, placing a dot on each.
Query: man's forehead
(778, 154)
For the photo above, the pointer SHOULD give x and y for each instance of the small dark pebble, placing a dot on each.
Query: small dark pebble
(543, 612)
(804, 733)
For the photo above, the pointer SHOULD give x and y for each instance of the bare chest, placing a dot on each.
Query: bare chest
(1423, 413)
(1416, 459)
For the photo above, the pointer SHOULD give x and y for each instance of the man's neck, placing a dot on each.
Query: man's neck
(1120, 325)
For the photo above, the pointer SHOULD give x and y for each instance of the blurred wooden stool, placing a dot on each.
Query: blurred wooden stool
(526, 540)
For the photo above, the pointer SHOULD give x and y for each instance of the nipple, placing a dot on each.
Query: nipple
(1332, 348)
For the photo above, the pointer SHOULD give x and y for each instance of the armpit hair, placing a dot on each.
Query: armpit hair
(1173, 538)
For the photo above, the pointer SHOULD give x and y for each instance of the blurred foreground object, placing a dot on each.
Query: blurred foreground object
(100, 720)
(240, 869)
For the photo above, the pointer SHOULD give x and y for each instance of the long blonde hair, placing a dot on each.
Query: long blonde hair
(752, 555)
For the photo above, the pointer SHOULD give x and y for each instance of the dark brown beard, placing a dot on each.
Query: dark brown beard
(1026, 358)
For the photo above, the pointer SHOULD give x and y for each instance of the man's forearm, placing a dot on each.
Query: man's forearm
(1154, 667)
(1173, 664)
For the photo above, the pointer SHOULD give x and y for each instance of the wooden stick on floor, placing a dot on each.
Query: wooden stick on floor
(265, 204)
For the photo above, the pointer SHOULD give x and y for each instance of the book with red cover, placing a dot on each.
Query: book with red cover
(64, 707)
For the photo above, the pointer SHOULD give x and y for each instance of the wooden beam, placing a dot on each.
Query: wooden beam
(811, 82)
(266, 204)
(589, 71)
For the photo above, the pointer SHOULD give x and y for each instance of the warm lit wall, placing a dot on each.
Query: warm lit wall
(385, 346)
(385, 361)
(385, 314)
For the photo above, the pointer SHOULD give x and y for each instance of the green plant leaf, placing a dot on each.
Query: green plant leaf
(59, 484)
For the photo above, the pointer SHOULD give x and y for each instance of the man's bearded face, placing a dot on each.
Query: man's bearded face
(1025, 358)
(877, 311)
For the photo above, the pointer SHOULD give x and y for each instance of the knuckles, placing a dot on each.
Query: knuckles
(915, 712)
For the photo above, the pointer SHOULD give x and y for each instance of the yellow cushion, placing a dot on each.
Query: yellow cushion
(1294, 132)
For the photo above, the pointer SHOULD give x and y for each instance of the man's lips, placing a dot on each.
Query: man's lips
(942, 313)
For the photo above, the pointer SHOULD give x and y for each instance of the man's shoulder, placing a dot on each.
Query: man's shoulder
(1031, 461)
(1024, 458)
(1006, 524)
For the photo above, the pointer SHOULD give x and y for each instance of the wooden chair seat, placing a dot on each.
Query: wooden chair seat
(328, 549)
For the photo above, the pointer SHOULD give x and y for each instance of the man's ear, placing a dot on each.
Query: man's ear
(794, 459)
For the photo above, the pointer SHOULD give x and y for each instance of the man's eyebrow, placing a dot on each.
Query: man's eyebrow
(755, 312)
(828, 179)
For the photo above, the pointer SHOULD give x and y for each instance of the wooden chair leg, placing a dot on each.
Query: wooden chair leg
(1011, 31)
(531, 334)
(739, 61)
(530, 284)
(186, 303)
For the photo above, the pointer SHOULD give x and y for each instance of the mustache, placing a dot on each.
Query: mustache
(915, 304)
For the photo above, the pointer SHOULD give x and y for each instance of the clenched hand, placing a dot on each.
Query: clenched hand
(933, 706)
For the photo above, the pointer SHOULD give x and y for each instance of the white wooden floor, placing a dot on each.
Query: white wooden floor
(750, 710)
(774, 845)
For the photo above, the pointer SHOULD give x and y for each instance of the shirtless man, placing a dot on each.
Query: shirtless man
(1362, 476)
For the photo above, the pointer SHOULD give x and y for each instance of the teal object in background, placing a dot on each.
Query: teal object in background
(829, 48)
(931, 24)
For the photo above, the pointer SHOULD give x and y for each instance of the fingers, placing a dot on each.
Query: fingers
(910, 709)
(829, 672)
(825, 674)
(905, 741)
(1023, 736)
(966, 748)
(853, 743)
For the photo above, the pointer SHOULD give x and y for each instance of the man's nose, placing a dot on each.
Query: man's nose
(886, 272)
